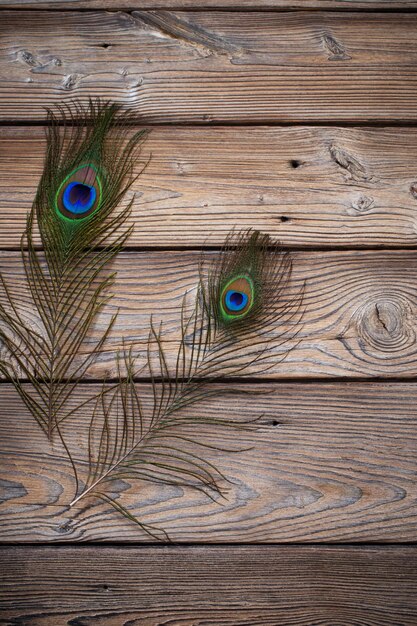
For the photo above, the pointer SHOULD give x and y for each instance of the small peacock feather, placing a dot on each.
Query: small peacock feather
(247, 296)
(88, 168)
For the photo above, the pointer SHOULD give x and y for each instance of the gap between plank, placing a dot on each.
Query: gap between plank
(342, 123)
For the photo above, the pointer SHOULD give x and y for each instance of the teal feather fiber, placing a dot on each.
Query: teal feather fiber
(157, 439)
(89, 166)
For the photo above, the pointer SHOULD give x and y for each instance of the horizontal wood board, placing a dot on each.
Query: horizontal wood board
(306, 186)
(211, 586)
(231, 5)
(208, 67)
(359, 311)
(333, 462)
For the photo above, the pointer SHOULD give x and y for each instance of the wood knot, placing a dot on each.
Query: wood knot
(181, 168)
(334, 48)
(385, 324)
(352, 167)
(71, 81)
(27, 57)
(65, 528)
(360, 204)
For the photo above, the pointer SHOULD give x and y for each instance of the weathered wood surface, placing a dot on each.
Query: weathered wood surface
(306, 186)
(335, 462)
(232, 5)
(214, 586)
(330, 462)
(359, 310)
(214, 66)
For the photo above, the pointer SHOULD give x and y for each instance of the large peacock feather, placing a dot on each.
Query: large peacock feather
(89, 166)
(241, 309)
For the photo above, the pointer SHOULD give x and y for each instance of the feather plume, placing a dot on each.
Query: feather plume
(250, 307)
(126, 442)
(89, 166)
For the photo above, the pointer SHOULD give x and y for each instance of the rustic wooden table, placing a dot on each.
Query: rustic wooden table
(297, 117)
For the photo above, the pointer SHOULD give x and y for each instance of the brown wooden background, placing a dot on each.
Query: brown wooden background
(298, 117)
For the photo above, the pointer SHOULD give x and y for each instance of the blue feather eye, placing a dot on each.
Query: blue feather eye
(236, 300)
(79, 195)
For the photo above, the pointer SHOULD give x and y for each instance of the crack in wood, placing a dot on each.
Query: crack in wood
(380, 317)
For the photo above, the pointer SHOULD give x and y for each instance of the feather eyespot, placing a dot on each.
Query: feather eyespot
(78, 197)
(236, 300)
(237, 297)
(79, 194)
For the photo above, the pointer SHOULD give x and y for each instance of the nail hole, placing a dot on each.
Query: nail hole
(105, 45)
(295, 163)
(284, 218)
(274, 422)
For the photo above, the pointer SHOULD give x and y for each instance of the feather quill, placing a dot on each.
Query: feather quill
(88, 168)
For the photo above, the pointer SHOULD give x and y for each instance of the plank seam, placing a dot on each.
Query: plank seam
(342, 123)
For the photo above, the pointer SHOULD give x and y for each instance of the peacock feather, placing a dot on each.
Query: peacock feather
(88, 168)
(252, 309)
(246, 284)
(241, 308)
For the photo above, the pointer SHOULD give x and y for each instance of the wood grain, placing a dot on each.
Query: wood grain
(359, 310)
(231, 5)
(214, 66)
(330, 462)
(214, 586)
(306, 186)
(334, 462)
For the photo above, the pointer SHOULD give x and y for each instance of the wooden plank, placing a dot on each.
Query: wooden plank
(214, 66)
(359, 310)
(232, 5)
(306, 186)
(335, 462)
(215, 586)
